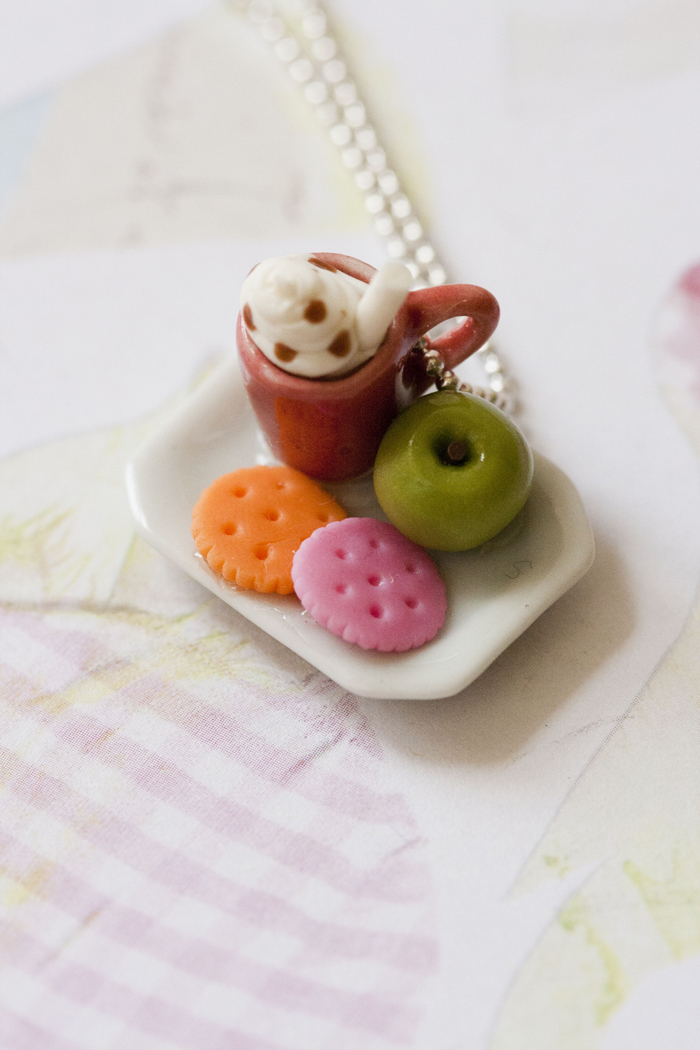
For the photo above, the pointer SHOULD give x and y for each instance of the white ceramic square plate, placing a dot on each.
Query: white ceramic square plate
(494, 592)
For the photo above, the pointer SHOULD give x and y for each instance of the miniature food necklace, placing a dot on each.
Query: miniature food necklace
(480, 536)
(313, 59)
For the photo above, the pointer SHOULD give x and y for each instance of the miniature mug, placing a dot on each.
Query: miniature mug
(331, 429)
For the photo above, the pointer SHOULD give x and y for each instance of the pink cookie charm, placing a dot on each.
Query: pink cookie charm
(364, 581)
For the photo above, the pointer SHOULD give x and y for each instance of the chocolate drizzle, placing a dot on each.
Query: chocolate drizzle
(323, 265)
(340, 347)
(284, 353)
(248, 317)
(316, 311)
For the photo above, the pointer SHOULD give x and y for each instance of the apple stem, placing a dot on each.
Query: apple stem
(456, 452)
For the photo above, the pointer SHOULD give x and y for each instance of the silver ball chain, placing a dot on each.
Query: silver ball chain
(315, 62)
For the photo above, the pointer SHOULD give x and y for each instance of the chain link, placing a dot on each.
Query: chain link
(314, 61)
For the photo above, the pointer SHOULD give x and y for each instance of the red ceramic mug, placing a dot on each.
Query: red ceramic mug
(331, 428)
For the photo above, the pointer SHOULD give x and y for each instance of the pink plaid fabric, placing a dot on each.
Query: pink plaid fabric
(200, 860)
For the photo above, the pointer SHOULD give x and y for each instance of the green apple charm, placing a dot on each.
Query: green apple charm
(452, 471)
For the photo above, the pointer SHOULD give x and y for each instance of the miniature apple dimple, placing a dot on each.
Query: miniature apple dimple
(452, 471)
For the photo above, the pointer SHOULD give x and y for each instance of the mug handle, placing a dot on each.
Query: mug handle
(428, 307)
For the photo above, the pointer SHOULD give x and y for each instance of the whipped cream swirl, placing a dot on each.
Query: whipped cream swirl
(302, 314)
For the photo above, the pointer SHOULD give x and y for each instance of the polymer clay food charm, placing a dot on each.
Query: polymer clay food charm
(365, 582)
(248, 524)
(326, 349)
(452, 471)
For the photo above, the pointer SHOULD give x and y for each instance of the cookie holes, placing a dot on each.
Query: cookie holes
(261, 553)
(374, 544)
(272, 515)
(410, 567)
(324, 517)
(411, 603)
(229, 528)
(280, 484)
(341, 553)
(376, 611)
(374, 581)
(341, 588)
(239, 492)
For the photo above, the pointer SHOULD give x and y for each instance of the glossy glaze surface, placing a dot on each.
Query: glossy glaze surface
(452, 503)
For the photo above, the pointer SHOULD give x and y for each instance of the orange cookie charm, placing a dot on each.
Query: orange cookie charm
(250, 523)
